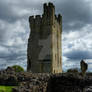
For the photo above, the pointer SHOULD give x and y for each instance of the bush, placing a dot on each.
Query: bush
(18, 68)
(72, 70)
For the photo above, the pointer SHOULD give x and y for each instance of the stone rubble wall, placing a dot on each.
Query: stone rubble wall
(46, 82)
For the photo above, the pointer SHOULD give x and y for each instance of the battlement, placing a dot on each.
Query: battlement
(48, 14)
(37, 17)
(49, 5)
(58, 18)
(48, 8)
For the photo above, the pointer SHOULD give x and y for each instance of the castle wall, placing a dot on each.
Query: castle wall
(44, 43)
(33, 43)
(56, 48)
(39, 45)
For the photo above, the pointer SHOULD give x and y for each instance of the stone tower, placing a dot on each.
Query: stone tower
(44, 43)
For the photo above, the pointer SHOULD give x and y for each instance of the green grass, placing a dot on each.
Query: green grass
(6, 88)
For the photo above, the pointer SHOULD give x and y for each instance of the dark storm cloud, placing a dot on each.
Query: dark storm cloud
(12, 56)
(6, 12)
(14, 27)
(79, 54)
(75, 13)
(14, 10)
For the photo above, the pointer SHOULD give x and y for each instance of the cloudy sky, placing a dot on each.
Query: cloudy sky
(14, 30)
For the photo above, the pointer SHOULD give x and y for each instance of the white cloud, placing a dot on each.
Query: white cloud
(77, 45)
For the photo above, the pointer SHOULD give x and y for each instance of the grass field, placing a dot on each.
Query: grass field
(6, 88)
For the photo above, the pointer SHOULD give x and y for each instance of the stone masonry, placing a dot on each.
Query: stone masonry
(44, 43)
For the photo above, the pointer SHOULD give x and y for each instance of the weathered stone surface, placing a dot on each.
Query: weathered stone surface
(33, 83)
(84, 67)
(44, 43)
(69, 83)
(46, 82)
(88, 89)
(8, 77)
(56, 83)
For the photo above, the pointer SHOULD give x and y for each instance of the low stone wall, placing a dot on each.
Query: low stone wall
(35, 83)
(8, 77)
(56, 83)
(44, 82)
(69, 83)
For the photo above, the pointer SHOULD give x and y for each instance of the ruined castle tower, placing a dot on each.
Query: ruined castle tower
(44, 43)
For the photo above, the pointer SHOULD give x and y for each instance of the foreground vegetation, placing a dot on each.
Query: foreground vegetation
(18, 68)
(6, 88)
(8, 77)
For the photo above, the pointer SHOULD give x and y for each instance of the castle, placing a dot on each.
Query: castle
(44, 43)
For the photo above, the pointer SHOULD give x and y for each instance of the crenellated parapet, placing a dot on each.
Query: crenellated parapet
(35, 20)
(49, 9)
(58, 18)
(48, 17)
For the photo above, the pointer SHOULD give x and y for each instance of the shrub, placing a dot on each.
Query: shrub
(72, 70)
(18, 68)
